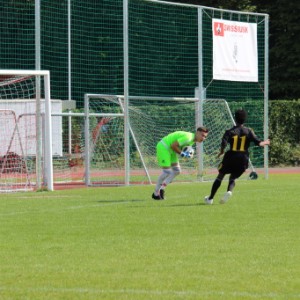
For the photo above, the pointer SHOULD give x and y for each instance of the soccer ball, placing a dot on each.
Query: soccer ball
(189, 149)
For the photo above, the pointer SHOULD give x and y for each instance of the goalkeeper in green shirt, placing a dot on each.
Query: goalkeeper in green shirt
(167, 151)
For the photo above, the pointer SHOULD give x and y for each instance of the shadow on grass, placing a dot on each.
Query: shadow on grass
(120, 201)
(183, 204)
(166, 204)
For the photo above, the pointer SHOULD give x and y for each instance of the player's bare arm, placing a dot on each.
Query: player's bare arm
(264, 143)
(175, 146)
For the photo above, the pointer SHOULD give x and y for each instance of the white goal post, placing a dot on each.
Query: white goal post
(27, 129)
(150, 119)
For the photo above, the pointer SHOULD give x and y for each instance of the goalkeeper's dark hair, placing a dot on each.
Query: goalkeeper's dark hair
(202, 128)
(240, 116)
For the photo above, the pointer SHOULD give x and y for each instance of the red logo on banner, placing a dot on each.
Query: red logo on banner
(218, 29)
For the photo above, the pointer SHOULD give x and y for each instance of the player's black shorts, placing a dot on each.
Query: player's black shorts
(234, 163)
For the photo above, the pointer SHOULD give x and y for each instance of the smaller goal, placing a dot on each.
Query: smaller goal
(150, 119)
(26, 131)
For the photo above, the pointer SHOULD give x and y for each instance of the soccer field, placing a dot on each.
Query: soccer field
(117, 243)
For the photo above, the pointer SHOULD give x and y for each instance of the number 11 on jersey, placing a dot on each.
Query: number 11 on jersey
(238, 143)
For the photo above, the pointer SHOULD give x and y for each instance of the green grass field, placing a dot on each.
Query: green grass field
(117, 243)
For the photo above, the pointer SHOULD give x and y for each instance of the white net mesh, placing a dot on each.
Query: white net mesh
(106, 142)
(18, 138)
(14, 173)
(150, 120)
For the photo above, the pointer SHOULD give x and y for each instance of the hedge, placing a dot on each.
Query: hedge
(284, 129)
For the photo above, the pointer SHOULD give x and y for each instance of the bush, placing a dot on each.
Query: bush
(284, 128)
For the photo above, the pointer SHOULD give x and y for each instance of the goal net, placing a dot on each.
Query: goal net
(104, 141)
(25, 125)
(150, 119)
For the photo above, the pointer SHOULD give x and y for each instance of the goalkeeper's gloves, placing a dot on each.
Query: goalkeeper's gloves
(185, 154)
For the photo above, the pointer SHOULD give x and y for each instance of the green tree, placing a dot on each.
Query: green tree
(284, 47)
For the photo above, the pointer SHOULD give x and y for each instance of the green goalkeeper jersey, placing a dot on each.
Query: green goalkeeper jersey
(182, 137)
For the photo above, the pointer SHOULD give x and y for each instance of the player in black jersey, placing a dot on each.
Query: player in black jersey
(236, 159)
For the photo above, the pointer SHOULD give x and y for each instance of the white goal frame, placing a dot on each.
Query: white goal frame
(87, 115)
(47, 142)
(204, 166)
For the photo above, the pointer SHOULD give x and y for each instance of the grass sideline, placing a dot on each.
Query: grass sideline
(116, 243)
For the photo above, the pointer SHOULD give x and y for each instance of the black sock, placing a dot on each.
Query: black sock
(214, 188)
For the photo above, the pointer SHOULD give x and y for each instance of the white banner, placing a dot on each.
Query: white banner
(234, 51)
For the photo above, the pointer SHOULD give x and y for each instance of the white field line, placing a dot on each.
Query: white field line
(270, 295)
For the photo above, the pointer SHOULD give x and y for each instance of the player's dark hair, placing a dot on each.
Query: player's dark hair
(202, 128)
(240, 116)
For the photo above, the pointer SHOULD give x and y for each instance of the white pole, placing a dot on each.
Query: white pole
(69, 76)
(266, 97)
(200, 95)
(37, 35)
(48, 135)
(87, 140)
(126, 92)
(69, 52)
(38, 95)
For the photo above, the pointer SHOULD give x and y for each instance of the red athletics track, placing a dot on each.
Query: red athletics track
(283, 170)
(76, 185)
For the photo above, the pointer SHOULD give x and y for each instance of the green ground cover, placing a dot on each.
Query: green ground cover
(117, 243)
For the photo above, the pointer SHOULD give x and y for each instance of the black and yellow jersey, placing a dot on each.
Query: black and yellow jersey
(239, 139)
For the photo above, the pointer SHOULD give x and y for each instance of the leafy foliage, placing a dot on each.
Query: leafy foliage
(285, 132)
(284, 47)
